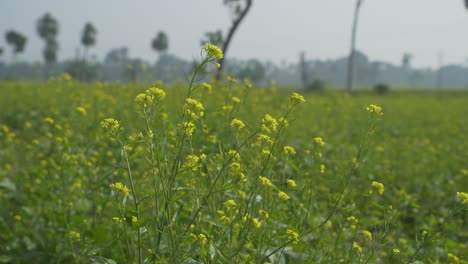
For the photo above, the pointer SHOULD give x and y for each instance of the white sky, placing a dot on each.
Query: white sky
(274, 29)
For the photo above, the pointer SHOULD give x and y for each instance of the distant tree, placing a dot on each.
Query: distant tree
(160, 43)
(47, 28)
(17, 41)
(88, 37)
(254, 71)
(215, 38)
(117, 56)
(238, 13)
(303, 69)
(349, 81)
(466, 4)
(406, 60)
(1, 51)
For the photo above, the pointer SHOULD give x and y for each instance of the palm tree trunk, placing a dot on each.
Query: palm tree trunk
(349, 82)
(230, 35)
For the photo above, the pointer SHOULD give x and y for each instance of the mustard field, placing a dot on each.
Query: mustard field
(230, 173)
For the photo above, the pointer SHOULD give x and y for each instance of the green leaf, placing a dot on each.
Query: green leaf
(8, 184)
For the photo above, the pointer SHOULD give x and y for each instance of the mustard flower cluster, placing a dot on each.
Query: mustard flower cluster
(288, 150)
(322, 168)
(374, 109)
(207, 86)
(230, 204)
(119, 187)
(379, 187)
(237, 123)
(296, 98)
(283, 196)
(319, 141)
(81, 110)
(291, 183)
(264, 181)
(192, 162)
(367, 235)
(213, 51)
(188, 128)
(264, 213)
(269, 124)
(150, 96)
(293, 236)
(110, 124)
(453, 258)
(463, 197)
(357, 247)
(193, 108)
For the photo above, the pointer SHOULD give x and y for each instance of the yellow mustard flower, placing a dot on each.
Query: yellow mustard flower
(264, 181)
(283, 196)
(288, 150)
(213, 51)
(296, 98)
(293, 236)
(463, 197)
(379, 187)
(119, 187)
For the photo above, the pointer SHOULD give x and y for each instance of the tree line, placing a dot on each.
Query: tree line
(47, 28)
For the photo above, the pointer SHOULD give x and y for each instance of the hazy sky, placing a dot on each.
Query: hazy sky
(274, 29)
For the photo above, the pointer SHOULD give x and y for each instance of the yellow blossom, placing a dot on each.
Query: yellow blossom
(230, 204)
(367, 234)
(119, 187)
(288, 150)
(110, 124)
(396, 251)
(81, 110)
(293, 236)
(265, 181)
(188, 128)
(379, 187)
(213, 51)
(322, 168)
(374, 109)
(269, 122)
(283, 196)
(207, 86)
(453, 258)
(291, 183)
(463, 197)
(296, 98)
(237, 123)
(357, 247)
(319, 141)
(256, 223)
(263, 213)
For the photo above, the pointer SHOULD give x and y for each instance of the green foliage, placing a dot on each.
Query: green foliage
(88, 37)
(47, 27)
(316, 86)
(80, 70)
(17, 40)
(161, 42)
(381, 88)
(227, 173)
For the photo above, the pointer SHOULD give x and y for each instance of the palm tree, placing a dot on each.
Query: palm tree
(17, 40)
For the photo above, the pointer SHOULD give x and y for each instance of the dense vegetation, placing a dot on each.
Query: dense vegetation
(230, 173)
